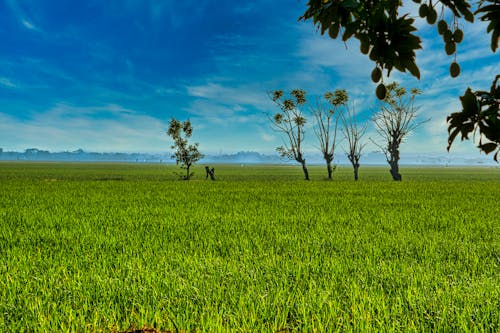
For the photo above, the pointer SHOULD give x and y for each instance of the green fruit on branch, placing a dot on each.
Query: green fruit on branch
(333, 31)
(423, 11)
(450, 48)
(448, 36)
(381, 91)
(432, 16)
(376, 74)
(364, 47)
(454, 69)
(458, 36)
(442, 27)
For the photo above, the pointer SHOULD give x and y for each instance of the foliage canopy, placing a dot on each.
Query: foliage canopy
(395, 120)
(185, 154)
(326, 114)
(291, 121)
(388, 38)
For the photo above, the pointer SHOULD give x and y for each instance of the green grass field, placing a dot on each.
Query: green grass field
(112, 247)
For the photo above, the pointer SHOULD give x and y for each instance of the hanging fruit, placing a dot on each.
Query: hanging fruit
(376, 74)
(381, 91)
(454, 69)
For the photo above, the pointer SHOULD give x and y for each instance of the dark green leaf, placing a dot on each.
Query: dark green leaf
(488, 147)
(333, 31)
(351, 4)
(349, 31)
(469, 103)
(413, 68)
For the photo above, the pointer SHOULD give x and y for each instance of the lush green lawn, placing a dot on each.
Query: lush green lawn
(107, 247)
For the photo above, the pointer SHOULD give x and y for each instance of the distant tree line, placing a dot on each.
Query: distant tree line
(35, 154)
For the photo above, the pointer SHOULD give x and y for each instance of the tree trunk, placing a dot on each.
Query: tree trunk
(396, 176)
(304, 168)
(329, 169)
(394, 161)
(187, 172)
(356, 168)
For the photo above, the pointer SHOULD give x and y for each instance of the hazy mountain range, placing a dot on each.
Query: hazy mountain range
(243, 157)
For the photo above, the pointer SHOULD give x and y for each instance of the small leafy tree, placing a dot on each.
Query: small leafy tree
(396, 119)
(185, 154)
(291, 121)
(353, 134)
(326, 114)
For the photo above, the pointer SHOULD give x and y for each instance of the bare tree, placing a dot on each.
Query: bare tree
(291, 121)
(185, 155)
(353, 134)
(395, 120)
(326, 113)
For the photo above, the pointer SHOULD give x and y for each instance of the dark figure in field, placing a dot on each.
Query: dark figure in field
(210, 172)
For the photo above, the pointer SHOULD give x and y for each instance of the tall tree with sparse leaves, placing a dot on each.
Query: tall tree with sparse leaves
(185, 154)
(290, 120)
(386, 32)
(395, 120)
(353, 135)
(326, 114)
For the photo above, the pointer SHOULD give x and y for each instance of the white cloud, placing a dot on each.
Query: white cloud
(222, 115)
(163, 91)
(267, 137)
(66, 127)
(29, 25)
(229, 107)
(22, 16)
(6, 82)
(345, 59)
(231, 94)
(175, 12)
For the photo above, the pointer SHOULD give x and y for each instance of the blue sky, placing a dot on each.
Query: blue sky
(108, 75)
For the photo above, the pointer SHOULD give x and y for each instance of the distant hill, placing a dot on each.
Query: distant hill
(34, 154)
(244, 157)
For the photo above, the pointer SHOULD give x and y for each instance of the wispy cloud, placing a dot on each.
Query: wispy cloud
(231, 94)
(6, 82)
(345, 59)
(267, 137)
(22, 16)
(27, 24)
(66, 127)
